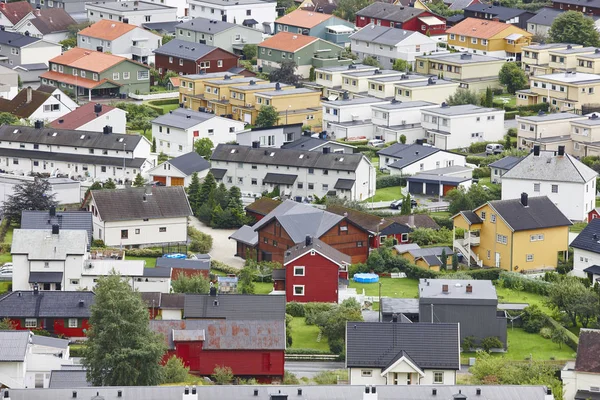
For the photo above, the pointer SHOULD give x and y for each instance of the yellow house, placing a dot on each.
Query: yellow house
(243, 101)
(516, 235)
(191, 87)
(566, 59)
(217, 93)
(428, 257)
(294, 106)
(535, 59)
(431, 90)
(492, 38)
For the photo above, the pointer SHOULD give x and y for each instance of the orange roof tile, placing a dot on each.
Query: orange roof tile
(478, 28)
(107, 30)
(303, 18)
(74, 80)
(88, 60)
(286, 41)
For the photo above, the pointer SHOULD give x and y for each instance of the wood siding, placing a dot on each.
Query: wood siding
(229, 61)
(59, 326)
(320, 279)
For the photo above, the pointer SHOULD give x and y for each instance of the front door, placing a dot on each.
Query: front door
(497, 260)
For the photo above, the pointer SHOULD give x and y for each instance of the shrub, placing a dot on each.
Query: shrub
(571, 339)
(312, 310)
(482, 172)
(491, 342)
(429, 236)
(336, 346)
(468, 343)
(330, 377)
(221, 266)
(390, 180)
(294, 309)
(98, 243)
(175, 371)
(485, 274)
(201, 242)
(478, 147)
(533, 319)
(222, 375)
(307, 351)
(443, 222)
(163, 102)
(546, 333)
(516, 281)
(512, 132)
(290, 379)
(148, 252)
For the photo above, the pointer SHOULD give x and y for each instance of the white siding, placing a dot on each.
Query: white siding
(260, 11)
(40, 52)
(440, 159)
(116, 118)
(149, 231)
(54, 107)
(96, 13)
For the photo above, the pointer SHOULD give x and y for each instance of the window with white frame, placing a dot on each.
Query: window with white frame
(536, 238)
(536, 187)
(438, 378)
(493, 218)
(502, 239)
(529, 258)
(30, 323)
(298, 271)
(73, 322)
(116, 76)
(366, 373)
(143, 75)
(298, 290)
(554, 188)
(125, 75)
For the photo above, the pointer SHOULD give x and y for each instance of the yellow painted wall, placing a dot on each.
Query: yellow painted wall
(298, 102)
(545, 252)
(496, 42)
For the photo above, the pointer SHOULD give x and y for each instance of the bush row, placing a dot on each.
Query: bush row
(482, 172)
(390, 180)
(159, 110)
(516, 281)
(572, 339)
(221, 266)
(531, 107)
(164, 102)
(147, 252)
(307, 351)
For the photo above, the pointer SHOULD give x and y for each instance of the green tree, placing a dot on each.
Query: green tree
(559, 336)
(175, 371)
(246, 281)
(141, 123)
(8, 119)
(371, 61)
(574, 27)
(406, 208)
(444, 260)
(346, 9)
(507, 143)
(68, 43)
(286, 73)
(402, 65)
(438, 7)
(94, 186)
(7, 325)
(489, 98)
(207, 188)
(194, 193)
(312, 76)
(455, 262)
(570, 296)
(463, 96)
(153, 148)
(31, 195)
(204, 147)
(222, 375)
(191, 284)
(162, 157)
(267, 116)
(221, 195)
(250, 51)
(167, 38)
(121, 350)
(109, 184)
(491, 342)
(333, 322)
(139, 181)
(403, 139)
(513, 77)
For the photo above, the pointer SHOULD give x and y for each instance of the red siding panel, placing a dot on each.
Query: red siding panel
(320, 279)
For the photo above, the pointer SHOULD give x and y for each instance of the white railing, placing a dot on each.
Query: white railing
(463, 246)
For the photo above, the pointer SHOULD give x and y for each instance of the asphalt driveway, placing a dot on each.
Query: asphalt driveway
(223, 249)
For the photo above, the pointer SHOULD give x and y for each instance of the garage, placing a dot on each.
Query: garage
(432, 189)
(415, 187)
(177, 181)
(161, 179)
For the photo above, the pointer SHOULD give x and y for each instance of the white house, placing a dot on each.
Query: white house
(149, 215)
(257, 14)
(273, 136)
(312, 142)
(77, 154)
(402, 353)
(580, 378)
(176, 131)
(47, 103)
(388, 44)
(93, 117)
(130, 12)
(586, 252)
(349, 118)
(50, 24)
(566, 181)
(297, 173)
(9, 83)
(120, 39)
(65, 190)
(395, 119)
(455, 127)
(410, 159)
(178, 171)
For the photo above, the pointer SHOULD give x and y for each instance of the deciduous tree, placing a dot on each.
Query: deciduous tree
(513, 77)
(574, 27)
(286, 73)
(346, 9)
(190, 284)
(463, 96)
(175, 371)
(267, 116)
(204, 147)
(33, 195)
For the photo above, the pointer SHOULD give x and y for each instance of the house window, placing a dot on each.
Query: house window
(298, 290)
(143, 75)
(162, 229)
(137, 231)
(438, 378)
(73, 322)
(493, 218)
(529, 258)
(536, 238)
(359, 244)
(30, 323)
(181, 61)
(502, 239)
(483, 215)
(366, 373)
(298, 271)
(536, 187)
(115, 76)
(404, 237)
(170, 60)
(125, 75)
(124, 234)
(74, 281)
(554, 188)
(254, 181)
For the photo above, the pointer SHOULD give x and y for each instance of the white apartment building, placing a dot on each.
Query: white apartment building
(176, 131)
(395, 119)
(566, 181)
(349, 118)
(257, 14)
(297, 173)
(546, 130)
(273, 136)
(130, 12)
(456, 127)
(78, 154)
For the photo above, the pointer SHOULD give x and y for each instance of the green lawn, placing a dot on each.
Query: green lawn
(511, 99)
(263, 287)
(513, 296)
(577, 227)
(305, 336)
(5, 257)
(150, 261)
(440, 214)
(597, 201)
(9, 234)
(4, 286)
(387, 194)
(168, 107)
(398, 287)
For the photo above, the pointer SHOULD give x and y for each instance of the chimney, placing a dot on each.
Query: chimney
(308, 240)
(395, 318)
(55, 229)
(444, 288)
(213, 291)
(38, 12)
(97, 108)
(469, 288)
(52, 211)
(29, 94)
(107, 130)
(39, 124)
(277, 86)
(36, 289)
(524, 199)
(536, 150)
(561, 151)
(148, 190)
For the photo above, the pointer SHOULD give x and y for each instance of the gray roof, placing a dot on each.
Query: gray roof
(68, 379)
(407, 153)
(435, 81)
(209, 25)
(305, 142)
(471, 217)
(245, 234)
(280, 179)
(65, 137)
(46, 304)
(354, 101)
(241, 2)
(286, 157)
(260, 86)
(464, 109)
(209, 75)
(382, 35)
(389, 12)
(550, 167)
(506, 163)
(167, 27)
(218, 173)
(403, 248)
(16, 39)
(157, 272)
(125, 6)
(186, 50)
(394, 306)
(49, 341)
(376, 72)
(235, 307)
(589, 238)
(203, 263)
(574, 50)
(546, 46)
(432, 289)
(48, 246)
(13, 345)
(228, 80)
(540, 213)
(550, 117)
(379, 344)
(396, 105)
(430, 251)
(33, 67)
(502, 13)
(432, 178)
(129, 204)
(286, 92)
(182, 118)
(350, 67)
(69, 220)
(459, 58)
(190, 163)
(319, 247)
(72, 157)
(458, 4)
(344, 184)
(45, 277)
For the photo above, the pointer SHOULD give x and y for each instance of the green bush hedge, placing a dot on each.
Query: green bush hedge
(311, 310)
(532, 107)
(98, 243)
(221, 266)
(516, 281)
(572, 339)
(159, 110)
(144, 253)
(482, 172)
(511, 114)
(295, 309)
(485, 274)
(390, 181)
(478, 147)
(443, 222)
(164, 102)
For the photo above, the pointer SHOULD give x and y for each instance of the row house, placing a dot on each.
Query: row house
(297, 173)
(96, 155)
(133, 12)
(324, 26)
(329, 79)
(591, 8)
(217, 93)
(273, 136)
(298, 105)
(411, 159)
(395, 119)
(356, 82)
(227, 36)
(243, 100)
(423, 88)
(349, 119)
(93, 117)
(255, 14)
(192, 87)
(190, 58)
(535, 59)
(550, 130)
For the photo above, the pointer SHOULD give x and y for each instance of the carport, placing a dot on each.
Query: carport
(435, 185)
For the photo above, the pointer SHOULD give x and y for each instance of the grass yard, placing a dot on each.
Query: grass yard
(440, 214)
(263, 287)
(5, 257)
(9, 234)
(305, 336)
(4, 286)
(577, 227)
(150, 261)
(506, 99)
(597, 201)
(387, 194)
(168, 107)
(514, 296)
(398, 287)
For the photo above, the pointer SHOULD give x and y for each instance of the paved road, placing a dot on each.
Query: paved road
(309, 369)
(223, 249)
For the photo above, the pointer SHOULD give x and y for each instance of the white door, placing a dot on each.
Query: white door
(247, 118)
(497, 260)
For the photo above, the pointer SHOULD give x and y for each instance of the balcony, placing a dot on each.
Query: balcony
(141, 51)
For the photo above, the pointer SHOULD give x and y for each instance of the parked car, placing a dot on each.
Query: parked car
(376, 143)
(397, 204)
(493, 148)
(6, 275)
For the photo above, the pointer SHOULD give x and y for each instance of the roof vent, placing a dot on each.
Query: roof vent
(569, 47)
(81, 303)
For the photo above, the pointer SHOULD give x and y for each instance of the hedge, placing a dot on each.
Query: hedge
(221, 266)
(295, 309)
(514, 280)
(155, 253)
(491, 274)
(390, 181)
(572, 339)
(532, 107)
(478, 147)
(164, 102)
(308, 351)
(159, 110)
(482, 172)
(443, 222)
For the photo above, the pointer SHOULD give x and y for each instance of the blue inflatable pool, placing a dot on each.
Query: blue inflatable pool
(175, 255)
(366, 278)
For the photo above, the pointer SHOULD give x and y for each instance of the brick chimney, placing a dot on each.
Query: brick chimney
(444, 288)
(29, 94)
(469, 288)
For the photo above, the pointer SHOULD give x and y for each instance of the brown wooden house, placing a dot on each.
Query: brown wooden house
(193, 58)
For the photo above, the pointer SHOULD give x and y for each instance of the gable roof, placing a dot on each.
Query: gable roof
(588, 351)
(162, 27)
(589, 238)
(183, 118)
(506, 163)
(502, 13)
(107, 29)
(364, 220)
(189, 163)
(235, 307)
(16, 11)
(385, 35)
(458, 4)
(13, 345)
(540, 213)
(133, 203)
(390, 12)
(317, 246)
(206, 25)
(66, 220)
(407, 153)
(81, 116)
(51, 20)
(550, 167)
(65, 379)
(19, 106)
(481, 28)
(545, 16)
(376, 344)
(49, 246)
(245, 234)
(46, 304)
(90, 60)
(263, 206)
(287, 41)
(187, 50)
(50, 341)
(14, 39)
(416, 221)
(303, 18)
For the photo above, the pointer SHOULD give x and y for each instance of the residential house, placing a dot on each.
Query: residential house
(242, 99)
(290, 223)
(178, 171)
(580, 378)
(297, 173)
(78, 154)
(588, 62)
(27, 359)
(324, 26)
(475, 72)
(163, 28)
(590, 8)
(568, 59)
(256, 14)
(189, 267)
(566, 181)
(301, 105)
(349, 119)
(133, 12)
(548, 130)
(525, 234)
(148, 215)
(57, 312)
(460, 4)
(595, 213)
(384, 87)
(583, 135)
(399, 16)
(9, 83)
(492, 38)
(535, 59)
(176, 131)
(47, 103)
(402, 354)
(310, 143)
(261, 207)
(540, 23)
(311, 272)
(165, 306)
(192, 89)
(356, 83)
(388, 44)
(415, 221)
(440, 181)
(227, 36)
(453, 127)
(273, 136)
(93, 117)
(305, 51)
(586, 252)
(329, 79)
(26, 51)
(121, 39)
(492, 12)
(92, 73)
(430, 90)
(428, 258)
(502, 166)
(410, 159)
(393, 120)
(190, 58)
(473, 304)
(12, 13)
(66, 220)
(48, 24)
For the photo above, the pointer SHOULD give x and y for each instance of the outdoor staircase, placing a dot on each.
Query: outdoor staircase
(464, 247)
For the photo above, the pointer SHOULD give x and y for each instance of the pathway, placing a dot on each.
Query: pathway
(223, 249)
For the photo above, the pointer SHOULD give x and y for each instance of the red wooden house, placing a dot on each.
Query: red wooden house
(595, 213)
(398, 16)
(59, 313)
(192, 58)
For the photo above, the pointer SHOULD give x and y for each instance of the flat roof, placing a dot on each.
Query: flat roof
(354, 101)
(461, 110)
(550, 117)
(426, 83)
(463, 58)
(352, 67)
(575, 77)
(126, 6)
(457, 289)
(396, 105)
(548, 46)
(574, 50)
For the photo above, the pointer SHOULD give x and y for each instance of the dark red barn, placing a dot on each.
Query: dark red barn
(398, 16)
(595, 213)
(192, 58)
